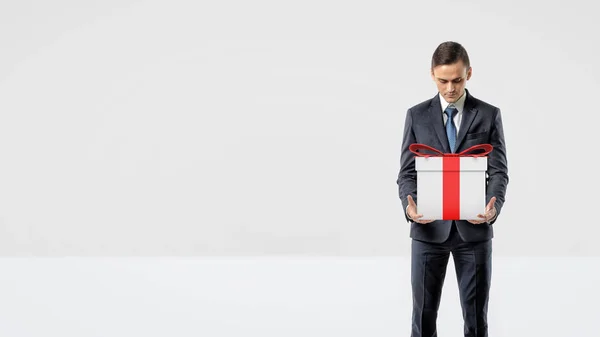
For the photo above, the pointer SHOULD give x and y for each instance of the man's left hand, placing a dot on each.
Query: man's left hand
(490, 213)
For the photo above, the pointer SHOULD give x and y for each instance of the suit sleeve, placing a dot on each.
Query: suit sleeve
(497, 179)
(407, 177)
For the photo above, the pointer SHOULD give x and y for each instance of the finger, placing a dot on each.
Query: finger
(410, 200)
(490, 205)
(481, 216)
(417, 219)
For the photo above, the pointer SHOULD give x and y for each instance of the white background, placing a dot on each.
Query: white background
(244, 128)
(251, 128)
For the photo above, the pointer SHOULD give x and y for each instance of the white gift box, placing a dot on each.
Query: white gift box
(451, 188)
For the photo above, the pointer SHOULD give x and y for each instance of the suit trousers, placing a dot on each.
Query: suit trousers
(473, 264)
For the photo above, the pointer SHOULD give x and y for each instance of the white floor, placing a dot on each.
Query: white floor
(280, 297)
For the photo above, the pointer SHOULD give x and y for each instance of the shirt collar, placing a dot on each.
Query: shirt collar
(459, 105)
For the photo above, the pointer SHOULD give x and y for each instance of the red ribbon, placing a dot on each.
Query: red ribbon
(451, 174)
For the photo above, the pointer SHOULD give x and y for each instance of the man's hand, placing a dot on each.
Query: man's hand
(490, 213)
(411, 211)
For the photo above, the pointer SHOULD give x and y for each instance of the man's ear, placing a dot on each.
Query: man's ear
(469, 73)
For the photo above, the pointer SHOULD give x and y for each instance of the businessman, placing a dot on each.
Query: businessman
(452, 121)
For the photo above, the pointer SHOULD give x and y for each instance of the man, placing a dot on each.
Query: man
(452, 121)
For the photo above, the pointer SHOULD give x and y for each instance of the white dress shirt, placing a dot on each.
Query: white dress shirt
(459, 105)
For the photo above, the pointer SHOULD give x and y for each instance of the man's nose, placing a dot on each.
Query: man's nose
(450, 87)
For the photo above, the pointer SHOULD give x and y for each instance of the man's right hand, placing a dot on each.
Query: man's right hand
(411, 211)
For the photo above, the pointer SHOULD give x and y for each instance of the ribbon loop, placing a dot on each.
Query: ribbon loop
(487, 148)
(414, 147)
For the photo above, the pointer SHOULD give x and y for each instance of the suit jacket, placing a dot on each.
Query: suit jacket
(481, 123)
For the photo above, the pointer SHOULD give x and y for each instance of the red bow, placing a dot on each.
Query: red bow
(486, 147)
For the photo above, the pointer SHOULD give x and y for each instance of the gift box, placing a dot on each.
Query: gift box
(451, 186)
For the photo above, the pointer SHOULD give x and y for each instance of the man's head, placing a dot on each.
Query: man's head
(450, 70)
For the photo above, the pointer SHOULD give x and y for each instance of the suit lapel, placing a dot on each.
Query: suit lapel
(437, 120)
(468, 115)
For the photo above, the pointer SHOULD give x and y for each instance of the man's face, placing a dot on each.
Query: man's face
(451, 80)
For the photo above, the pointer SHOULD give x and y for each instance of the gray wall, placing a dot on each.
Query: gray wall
(244, 128)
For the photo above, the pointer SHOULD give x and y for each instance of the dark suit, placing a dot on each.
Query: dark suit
(469, 244)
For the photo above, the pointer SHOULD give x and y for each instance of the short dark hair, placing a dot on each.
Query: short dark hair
(449, 52)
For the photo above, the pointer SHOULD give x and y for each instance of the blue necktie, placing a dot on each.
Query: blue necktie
(450, 127)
